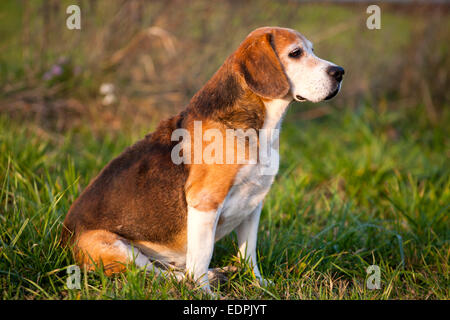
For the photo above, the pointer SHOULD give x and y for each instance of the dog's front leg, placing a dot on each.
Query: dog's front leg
(206, 190)
(247, 233)
(201, 229)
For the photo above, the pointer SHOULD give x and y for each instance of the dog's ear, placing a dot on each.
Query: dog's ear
(261, 67)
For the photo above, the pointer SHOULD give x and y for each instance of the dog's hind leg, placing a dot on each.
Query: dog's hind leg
(97, 248)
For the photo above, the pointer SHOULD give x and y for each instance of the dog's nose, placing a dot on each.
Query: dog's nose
(336, 72)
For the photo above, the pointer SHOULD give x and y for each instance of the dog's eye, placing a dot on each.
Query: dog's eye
(296, 53)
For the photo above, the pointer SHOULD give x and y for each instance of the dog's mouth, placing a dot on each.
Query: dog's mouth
(300, 98)
(334, 93)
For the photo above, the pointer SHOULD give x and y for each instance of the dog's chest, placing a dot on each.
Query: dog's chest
(245, 195)
(253, 181)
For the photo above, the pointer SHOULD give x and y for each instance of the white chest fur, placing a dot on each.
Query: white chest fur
(250, 185)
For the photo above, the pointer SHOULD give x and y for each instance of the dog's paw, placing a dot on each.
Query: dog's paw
(264, 282)
(213, 295)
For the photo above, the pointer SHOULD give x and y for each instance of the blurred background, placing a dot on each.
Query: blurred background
(136, 61)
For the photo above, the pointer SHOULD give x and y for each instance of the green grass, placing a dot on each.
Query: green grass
(354, 189)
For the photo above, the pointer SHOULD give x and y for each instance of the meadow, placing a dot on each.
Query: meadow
(364, 180)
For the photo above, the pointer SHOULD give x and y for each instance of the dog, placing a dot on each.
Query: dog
(146, 209)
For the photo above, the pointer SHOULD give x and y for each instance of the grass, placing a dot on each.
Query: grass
(354, 189)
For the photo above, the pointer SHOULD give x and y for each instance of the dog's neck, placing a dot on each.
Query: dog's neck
(275, 111)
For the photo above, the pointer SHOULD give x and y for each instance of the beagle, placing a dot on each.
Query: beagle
(144, 208)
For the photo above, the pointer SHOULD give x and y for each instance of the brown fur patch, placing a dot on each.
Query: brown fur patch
(208, 184)
(261, 67)
(139, 195)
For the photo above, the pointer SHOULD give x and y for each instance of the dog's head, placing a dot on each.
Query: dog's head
(279, 63)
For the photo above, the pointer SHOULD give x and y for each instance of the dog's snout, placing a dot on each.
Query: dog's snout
(336, 72)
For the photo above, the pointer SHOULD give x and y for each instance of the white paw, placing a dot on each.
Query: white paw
(264, 282)
(178, 275)
(212, 294)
